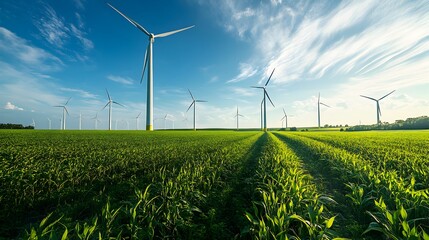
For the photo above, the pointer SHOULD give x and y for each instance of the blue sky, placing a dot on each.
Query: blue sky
(53, 50)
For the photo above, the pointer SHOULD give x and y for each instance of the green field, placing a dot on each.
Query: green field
(214, 185)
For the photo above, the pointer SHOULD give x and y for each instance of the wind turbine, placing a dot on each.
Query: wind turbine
(137, 121)
(33, 123)
(318, 109)
(64, 114)
(237, 116)
(378, 104)
(194, 102)
(284, 117)
(96, 121)
(264, 100)
(49, 120)
(149, 58)
(110, 102)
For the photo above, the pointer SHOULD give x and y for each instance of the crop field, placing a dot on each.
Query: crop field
(214, 185)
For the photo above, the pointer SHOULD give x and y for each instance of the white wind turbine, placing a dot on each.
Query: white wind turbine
(96, 121)
(194, 102)
(378, 104)
(318, 110)
(285, 117)
(33, 123)
(149, 59)
(49, 122)
(110, 102)
(64, 114)
(264, 99)
(237, 115)
(137, 121)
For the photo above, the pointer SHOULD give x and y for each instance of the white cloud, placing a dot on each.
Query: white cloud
(79, 34)
(53, 28)
(122, 80)
(246, 71)
(82, 93)
(20, 49)
(10, 106)
(244, 91)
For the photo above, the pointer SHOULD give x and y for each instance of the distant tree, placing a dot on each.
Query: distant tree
(14, 126)
(293, 129)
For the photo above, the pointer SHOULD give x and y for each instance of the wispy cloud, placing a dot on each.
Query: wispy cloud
(79, 34)
(53, 28)
(246, 71)
(19, 49)
(359, 43)
(237, 91)
(10, 106)
(82, 93)
(119, 79)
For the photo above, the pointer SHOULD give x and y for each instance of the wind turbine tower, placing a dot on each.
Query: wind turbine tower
(64, 113)
(237, 115)
(378, 105)
(49, 123)
(264, 99)
(149, 60)
(194, 101)
(318, 110)
(110, 102)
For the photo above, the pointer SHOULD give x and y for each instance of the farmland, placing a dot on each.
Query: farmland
(214, 185)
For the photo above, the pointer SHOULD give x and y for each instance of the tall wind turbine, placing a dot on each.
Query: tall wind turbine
(237, 115)
(149, 58)
(49, 121)
(264, 100)
(33, 123)
(64, 114)
(137, 121)
(194, 102)
(110, 102)
(318, 109)
(262, 115)
(378, 104)
(284, 117)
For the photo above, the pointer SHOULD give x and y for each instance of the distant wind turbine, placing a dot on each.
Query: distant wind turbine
(262, 114)
(49, 122)
(64, 113)
(148, 59)
(264, 99)
(194, 101)
(33, 123)
(378, 104)
(284, 117)
(110, 102)
(96, 121)
(318, 109)
(137, 121)
(237, 115)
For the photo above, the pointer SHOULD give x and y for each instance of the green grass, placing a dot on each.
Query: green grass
(214, 184)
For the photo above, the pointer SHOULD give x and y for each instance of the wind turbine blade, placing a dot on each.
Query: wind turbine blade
(146, 59)
(58, 106)
(270, 77)
(191, 95)
(269, 98)
(118, 104)
(190, 105)
(66, 111)
(173, 32)
(105, 105)
(240, 115)
(139, 115)
(378, 109)
(108, 95)
(67, 101)
(256, 87)
(200, 101)
(369, 97)
(283, 118)
(284, 111)
(325, 105)
(131, 21)
(386, 95)
(318, 98)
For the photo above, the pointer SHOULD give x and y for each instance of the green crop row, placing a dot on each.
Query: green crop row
(397, 206)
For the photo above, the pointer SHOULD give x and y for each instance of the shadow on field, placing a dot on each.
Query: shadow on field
(328, 182)
(230, 201)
